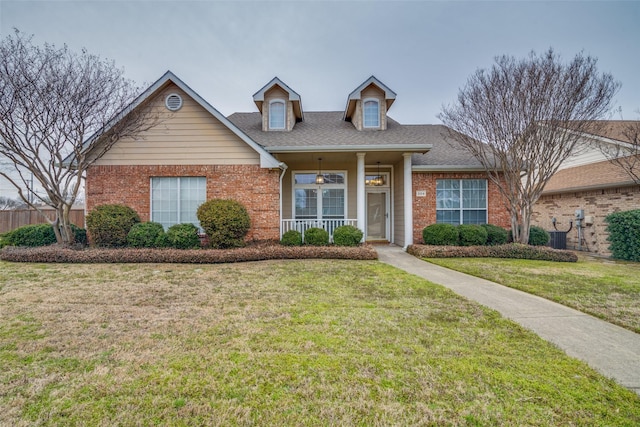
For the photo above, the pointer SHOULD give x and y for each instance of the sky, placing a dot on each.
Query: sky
(423, 50)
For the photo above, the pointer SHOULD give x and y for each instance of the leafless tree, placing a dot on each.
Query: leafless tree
(52, 101)
(7, 203)
(522, 118)
(625, 151)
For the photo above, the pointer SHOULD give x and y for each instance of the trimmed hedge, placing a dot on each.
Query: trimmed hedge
(315, 236)
(258, 252)
(40, 235)
(624, 235)
(495, 235)
(145, 235)
(471, 235)
(225, 221)
(440, 234)
(291, 238)
(109, 225)
(183, 236)
(347, 235)
(537, 236)
(511, 250)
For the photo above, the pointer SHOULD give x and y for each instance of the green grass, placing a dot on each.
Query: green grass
(277, 343)
(606, 289)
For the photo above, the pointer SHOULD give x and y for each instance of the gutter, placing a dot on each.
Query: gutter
(415, 148)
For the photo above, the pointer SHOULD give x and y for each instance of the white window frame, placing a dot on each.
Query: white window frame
(180, 221)
(319, 187)
(364, 116)
(461, 208)
(284, 114)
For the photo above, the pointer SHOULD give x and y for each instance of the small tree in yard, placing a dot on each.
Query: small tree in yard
(522, 118)
(51, 100)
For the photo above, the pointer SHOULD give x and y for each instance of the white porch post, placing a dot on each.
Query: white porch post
(408, 201)
(360, 192)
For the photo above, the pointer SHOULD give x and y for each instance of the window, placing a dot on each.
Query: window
(371, 113)
(319, 202)
(461, 201)
(176, 200)
(276, 114)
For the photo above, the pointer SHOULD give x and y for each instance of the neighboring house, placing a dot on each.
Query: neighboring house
(294, 169)
(592, 185)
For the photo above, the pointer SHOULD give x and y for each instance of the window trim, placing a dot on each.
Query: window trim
(364, 121)
(462, 209)
(319, 187)
(284, 114)
(151, 218)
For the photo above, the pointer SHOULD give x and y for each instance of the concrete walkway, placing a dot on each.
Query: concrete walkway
(610, 349)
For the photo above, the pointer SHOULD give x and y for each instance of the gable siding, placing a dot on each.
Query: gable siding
(277, 93)
(191, 135)
(372, 91)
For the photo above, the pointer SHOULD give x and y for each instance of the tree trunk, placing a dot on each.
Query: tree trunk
(62, 225)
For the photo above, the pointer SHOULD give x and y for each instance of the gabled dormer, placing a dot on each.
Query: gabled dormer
(279, 105)
(368, 104)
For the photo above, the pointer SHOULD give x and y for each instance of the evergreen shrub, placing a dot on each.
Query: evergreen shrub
(40, 235)
(225, 221)
(291, 238)
(145, 235)
(440, 234)
(109, 225)
(472, 235)
(624, 234)
(495, 235)
(316, 237)
(347, 235)
(183, 236)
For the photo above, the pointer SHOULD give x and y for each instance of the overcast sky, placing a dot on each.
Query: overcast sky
(423, 50)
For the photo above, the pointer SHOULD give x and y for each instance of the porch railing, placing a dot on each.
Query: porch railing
(302, 225)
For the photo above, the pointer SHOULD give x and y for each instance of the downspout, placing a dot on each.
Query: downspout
(283, 167)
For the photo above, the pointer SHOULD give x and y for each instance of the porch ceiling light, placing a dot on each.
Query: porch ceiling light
(378, 180)
(319, 176)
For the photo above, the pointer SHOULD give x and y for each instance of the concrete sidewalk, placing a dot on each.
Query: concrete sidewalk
(610, 349)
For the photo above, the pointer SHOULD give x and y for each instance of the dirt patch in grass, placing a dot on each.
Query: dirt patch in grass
(310, 342)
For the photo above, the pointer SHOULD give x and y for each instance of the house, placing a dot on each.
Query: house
(293, 169)
(587, 188)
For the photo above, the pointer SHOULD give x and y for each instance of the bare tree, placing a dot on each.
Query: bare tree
(522, 118)
(625, 153)
(51, 100)
(7, 203)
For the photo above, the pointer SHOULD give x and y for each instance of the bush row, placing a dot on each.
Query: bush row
(510, 250)
(477, 235)
(207, 256)
(39, 235)
(345, 235)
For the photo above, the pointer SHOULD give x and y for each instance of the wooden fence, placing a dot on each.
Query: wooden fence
(10, 220)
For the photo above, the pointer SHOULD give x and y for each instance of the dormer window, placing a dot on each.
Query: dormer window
(276, 114)
(371, 113)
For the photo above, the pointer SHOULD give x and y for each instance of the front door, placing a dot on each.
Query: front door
(377, 215)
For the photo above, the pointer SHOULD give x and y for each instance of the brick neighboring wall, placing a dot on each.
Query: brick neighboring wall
(256, 188)
(596, 203)
(424, 208)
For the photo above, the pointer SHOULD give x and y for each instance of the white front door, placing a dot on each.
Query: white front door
(377, 215)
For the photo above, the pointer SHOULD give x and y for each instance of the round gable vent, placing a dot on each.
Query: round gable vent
(173, 102)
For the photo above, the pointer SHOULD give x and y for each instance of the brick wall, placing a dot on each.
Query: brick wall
(596, 204)
(256, 188)
(424, 208)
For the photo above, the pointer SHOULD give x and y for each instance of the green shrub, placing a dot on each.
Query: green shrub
(440, 234)
(510, 250)
(144, 234)
(39, 235)
(472, 235)
(79, 235)
(624, 235)
(109, 225)
(226, 223)
(291, 238)
(347, 235)
(538, 236)
(183, 236)
(316, 237)
(495, 235)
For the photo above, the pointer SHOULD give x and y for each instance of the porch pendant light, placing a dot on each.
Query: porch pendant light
(378, 180)
(319, 176)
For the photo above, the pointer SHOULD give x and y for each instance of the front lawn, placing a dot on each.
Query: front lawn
(604, 288)
(310, 342)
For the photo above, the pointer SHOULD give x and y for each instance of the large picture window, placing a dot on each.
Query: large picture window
(461, 201)
(175, 200)
(319, 202)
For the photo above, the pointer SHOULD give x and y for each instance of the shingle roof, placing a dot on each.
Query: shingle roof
(602, 174)
(327, 130)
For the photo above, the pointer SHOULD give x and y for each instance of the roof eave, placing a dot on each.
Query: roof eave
(412, 148)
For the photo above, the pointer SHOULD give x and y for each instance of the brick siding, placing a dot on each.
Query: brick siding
(256, 188)
(424, 208)
(596, 203)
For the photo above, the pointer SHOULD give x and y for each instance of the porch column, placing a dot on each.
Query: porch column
(408, 201)
(360, 192)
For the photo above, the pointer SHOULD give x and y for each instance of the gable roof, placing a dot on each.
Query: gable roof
(326, 131)
(266, 159)
(258, 97)
(599, 175)
(356, 95)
